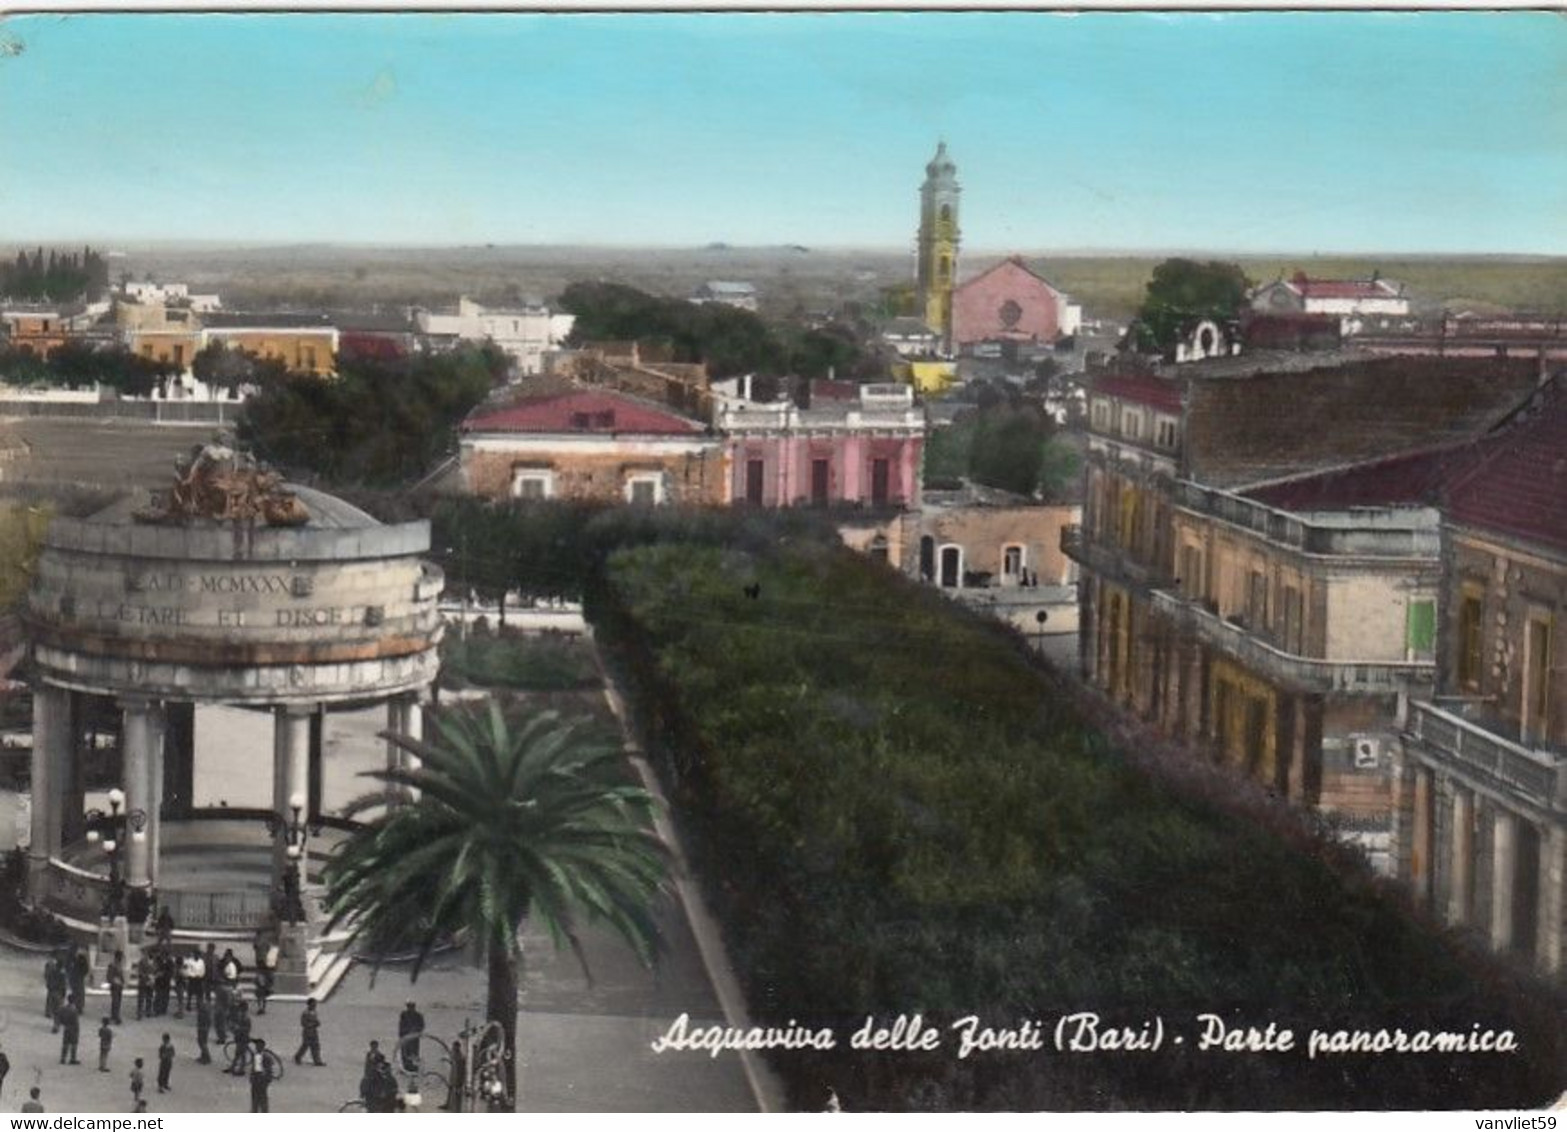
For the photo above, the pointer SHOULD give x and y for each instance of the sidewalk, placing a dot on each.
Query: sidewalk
(582, 1048)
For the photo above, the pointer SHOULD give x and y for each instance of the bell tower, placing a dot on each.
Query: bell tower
(938, 244)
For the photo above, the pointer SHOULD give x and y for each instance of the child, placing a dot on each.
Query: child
(138, 1083)
(105, 1040)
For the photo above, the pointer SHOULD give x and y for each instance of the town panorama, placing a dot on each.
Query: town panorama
(453, 675)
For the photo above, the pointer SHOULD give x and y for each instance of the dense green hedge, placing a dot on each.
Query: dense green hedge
(893, 813)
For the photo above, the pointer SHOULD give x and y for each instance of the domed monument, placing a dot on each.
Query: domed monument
(230, 588)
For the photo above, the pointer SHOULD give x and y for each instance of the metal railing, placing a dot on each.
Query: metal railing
(1307, 673)
(1371, 533)
(1112, 561)
(234, 910)
(1531, 775)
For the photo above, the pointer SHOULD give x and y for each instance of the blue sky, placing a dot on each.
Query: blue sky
(1345, 131)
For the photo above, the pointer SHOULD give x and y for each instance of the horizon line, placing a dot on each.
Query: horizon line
(1077, 252)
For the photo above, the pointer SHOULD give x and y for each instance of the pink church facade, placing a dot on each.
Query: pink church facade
(1009, 301)
(865, 451)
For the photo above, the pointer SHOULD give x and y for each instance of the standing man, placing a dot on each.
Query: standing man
(116, 979)
(309, 1035)
(229, 970)
(138, 1083)
(54, 990)
(410, 1025)
(144, 986)
(5, 1068)
(32, 1103)
(80, 966)
(105, 1040)
(209, 961)
(70, 1032)
(241, 1037)
(165, 1063)
(260, 1078)
(164, 980)
(203, 1028)
(222, 1008)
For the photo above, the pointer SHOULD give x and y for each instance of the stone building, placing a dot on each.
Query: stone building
(305, 343)
(38, 328)
(1482, 784)
(1359, 304)
(1237, 607)
(1009, 302)
(590, 444)
(1001, 553)
(859, 445)
(525, 333)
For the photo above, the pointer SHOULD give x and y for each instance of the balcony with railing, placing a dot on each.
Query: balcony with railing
(1111, 560)
(1364, 532)
(1303, 673)
(1461, 738)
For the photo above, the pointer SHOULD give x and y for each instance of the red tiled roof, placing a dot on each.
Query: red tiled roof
(1409, 479)
(586, 411)
(1155, 391)
(1342, 288)
(368, 344)
(1519, 485)
(1512, 481)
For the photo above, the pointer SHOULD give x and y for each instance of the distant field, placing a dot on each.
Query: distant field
(790, 279)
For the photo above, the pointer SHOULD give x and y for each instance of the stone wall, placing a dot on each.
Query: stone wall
(693, 476)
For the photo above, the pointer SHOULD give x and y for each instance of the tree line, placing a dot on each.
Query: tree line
(377, 423)
(59, 277)
(729, 340)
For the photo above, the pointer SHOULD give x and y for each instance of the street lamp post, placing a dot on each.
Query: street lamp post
(295, 832)
(475, 1068)
(109, 829)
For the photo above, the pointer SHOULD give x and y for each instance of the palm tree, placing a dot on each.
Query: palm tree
(506, 823)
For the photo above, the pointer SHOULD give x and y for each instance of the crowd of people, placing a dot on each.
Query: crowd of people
(172, 980)
(180, 981)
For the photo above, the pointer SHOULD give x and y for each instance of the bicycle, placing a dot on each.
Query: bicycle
(269, 1059)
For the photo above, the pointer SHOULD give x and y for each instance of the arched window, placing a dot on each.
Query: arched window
(952, 567)
(946, 212)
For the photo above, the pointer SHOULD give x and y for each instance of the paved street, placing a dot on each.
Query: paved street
(583, 1048)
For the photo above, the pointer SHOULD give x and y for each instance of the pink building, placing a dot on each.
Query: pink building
(863, 448)
(1009, 301)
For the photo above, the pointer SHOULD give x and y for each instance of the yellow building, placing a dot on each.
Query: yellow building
(303, 343)
(938, 244)
(929, 376)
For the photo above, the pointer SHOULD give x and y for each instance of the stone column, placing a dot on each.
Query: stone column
(137, 741)
(68, 772)
(1461, 868)
(1553, 876)
(1504, 863)
(155, 792)
(413, 727)
(51, 750)
(290, 778)
(291, 781)
(404, 716)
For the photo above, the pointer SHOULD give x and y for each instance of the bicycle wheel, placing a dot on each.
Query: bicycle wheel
(273, 1064)
(353, 1106)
